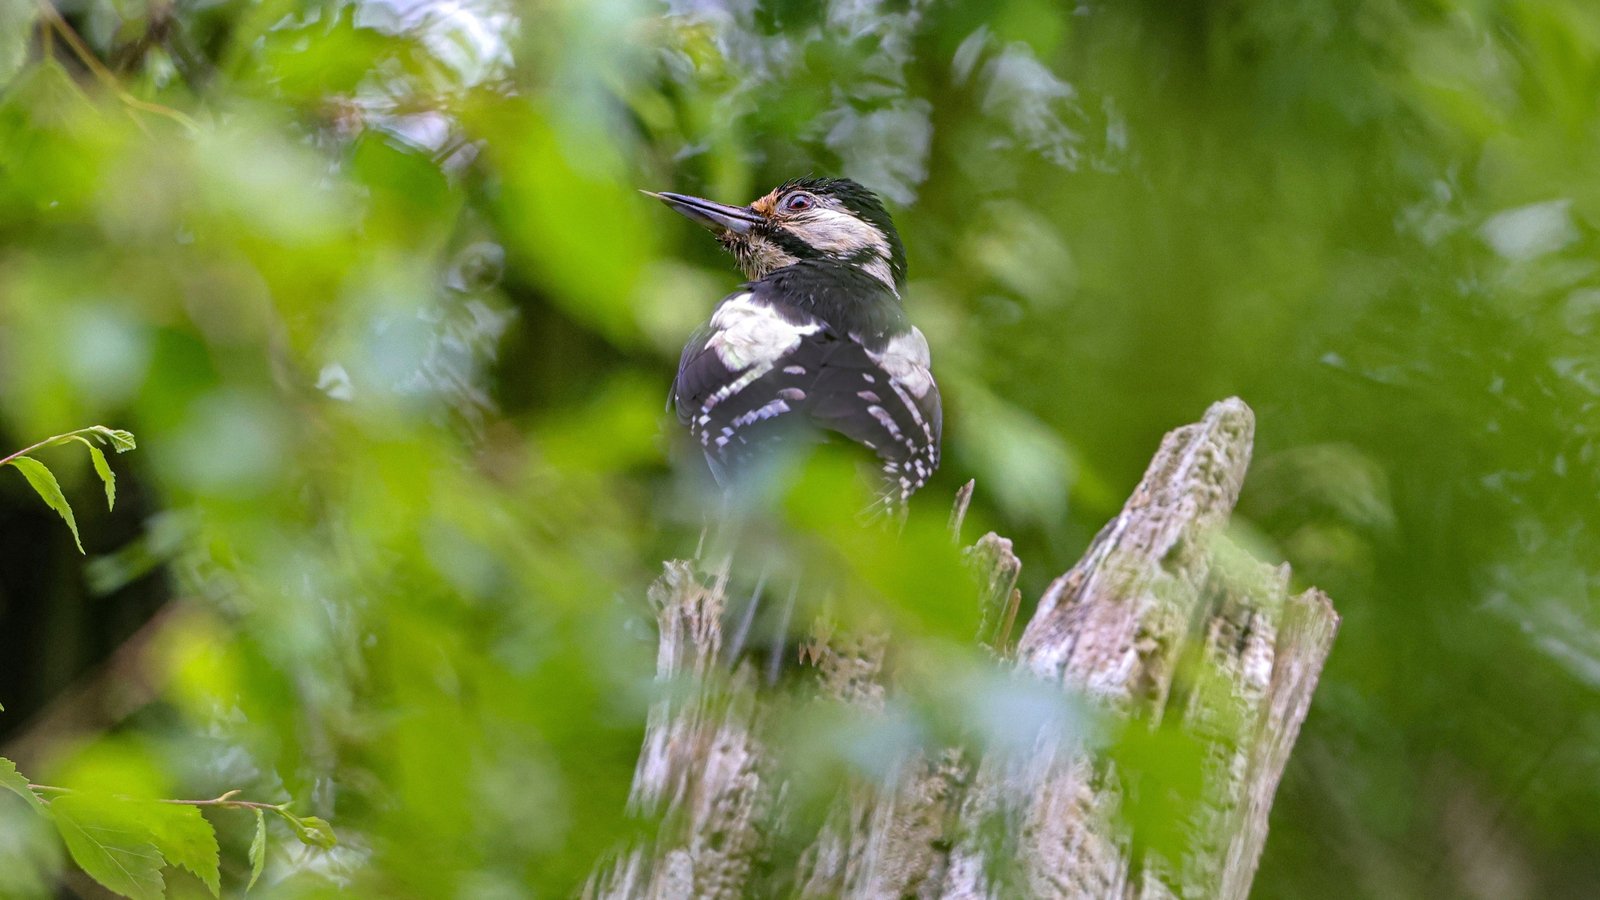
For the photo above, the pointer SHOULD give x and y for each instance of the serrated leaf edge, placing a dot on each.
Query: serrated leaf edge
(258, 850)
(17, 783)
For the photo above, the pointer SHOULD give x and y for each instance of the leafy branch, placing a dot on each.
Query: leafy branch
(44, 481)
(121, 842)
(124, 843)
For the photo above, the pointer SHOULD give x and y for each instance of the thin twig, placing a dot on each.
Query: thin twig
(52, 441)
(47, 442)
(221, 803)
(225, 801)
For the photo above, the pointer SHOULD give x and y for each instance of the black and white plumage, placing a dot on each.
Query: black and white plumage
(817, 341)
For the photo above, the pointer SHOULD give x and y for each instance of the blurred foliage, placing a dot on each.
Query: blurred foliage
(371, 282)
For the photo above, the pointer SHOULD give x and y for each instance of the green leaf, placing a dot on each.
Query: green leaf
(311, 830)
(121, 441)
(109, 845)
(45, 485)
(186, 839)
(103, 469)
(17, 783)
(258, 850)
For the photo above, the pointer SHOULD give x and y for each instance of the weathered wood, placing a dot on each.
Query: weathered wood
(1163, 619)
(896, 843)
(996, 561)
(703, 768)
(1304, 639)
(1112, 629)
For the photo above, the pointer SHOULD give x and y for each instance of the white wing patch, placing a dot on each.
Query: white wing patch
(905, 358)
(746, 333)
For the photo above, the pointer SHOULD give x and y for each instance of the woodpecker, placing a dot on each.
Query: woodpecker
(817, 339)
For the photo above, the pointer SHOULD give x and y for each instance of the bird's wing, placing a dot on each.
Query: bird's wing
(887, 400)
(742, 378)
(758, 369)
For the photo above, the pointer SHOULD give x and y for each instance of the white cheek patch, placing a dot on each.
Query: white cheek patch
(841, 233)
(906, 359)
(746, 333)
(845, 236)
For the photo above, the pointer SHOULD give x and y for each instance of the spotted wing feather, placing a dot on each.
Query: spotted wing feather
(759, 373)
(855, 396)
(732, 390)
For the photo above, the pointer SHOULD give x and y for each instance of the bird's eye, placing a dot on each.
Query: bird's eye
(798, 202)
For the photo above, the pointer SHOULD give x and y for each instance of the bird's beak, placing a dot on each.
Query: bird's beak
(715, 216)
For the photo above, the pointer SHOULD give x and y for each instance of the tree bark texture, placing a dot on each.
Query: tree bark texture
(1164, 623)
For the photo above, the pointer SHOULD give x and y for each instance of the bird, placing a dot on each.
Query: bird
(815, 343)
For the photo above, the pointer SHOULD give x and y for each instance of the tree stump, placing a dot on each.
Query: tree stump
(1160, 588)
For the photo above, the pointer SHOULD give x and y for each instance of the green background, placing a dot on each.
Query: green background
(373, 286)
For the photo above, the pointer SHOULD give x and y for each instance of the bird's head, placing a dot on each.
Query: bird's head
(832, 219)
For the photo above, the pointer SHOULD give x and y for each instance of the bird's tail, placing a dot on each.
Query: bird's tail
(768, 600)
